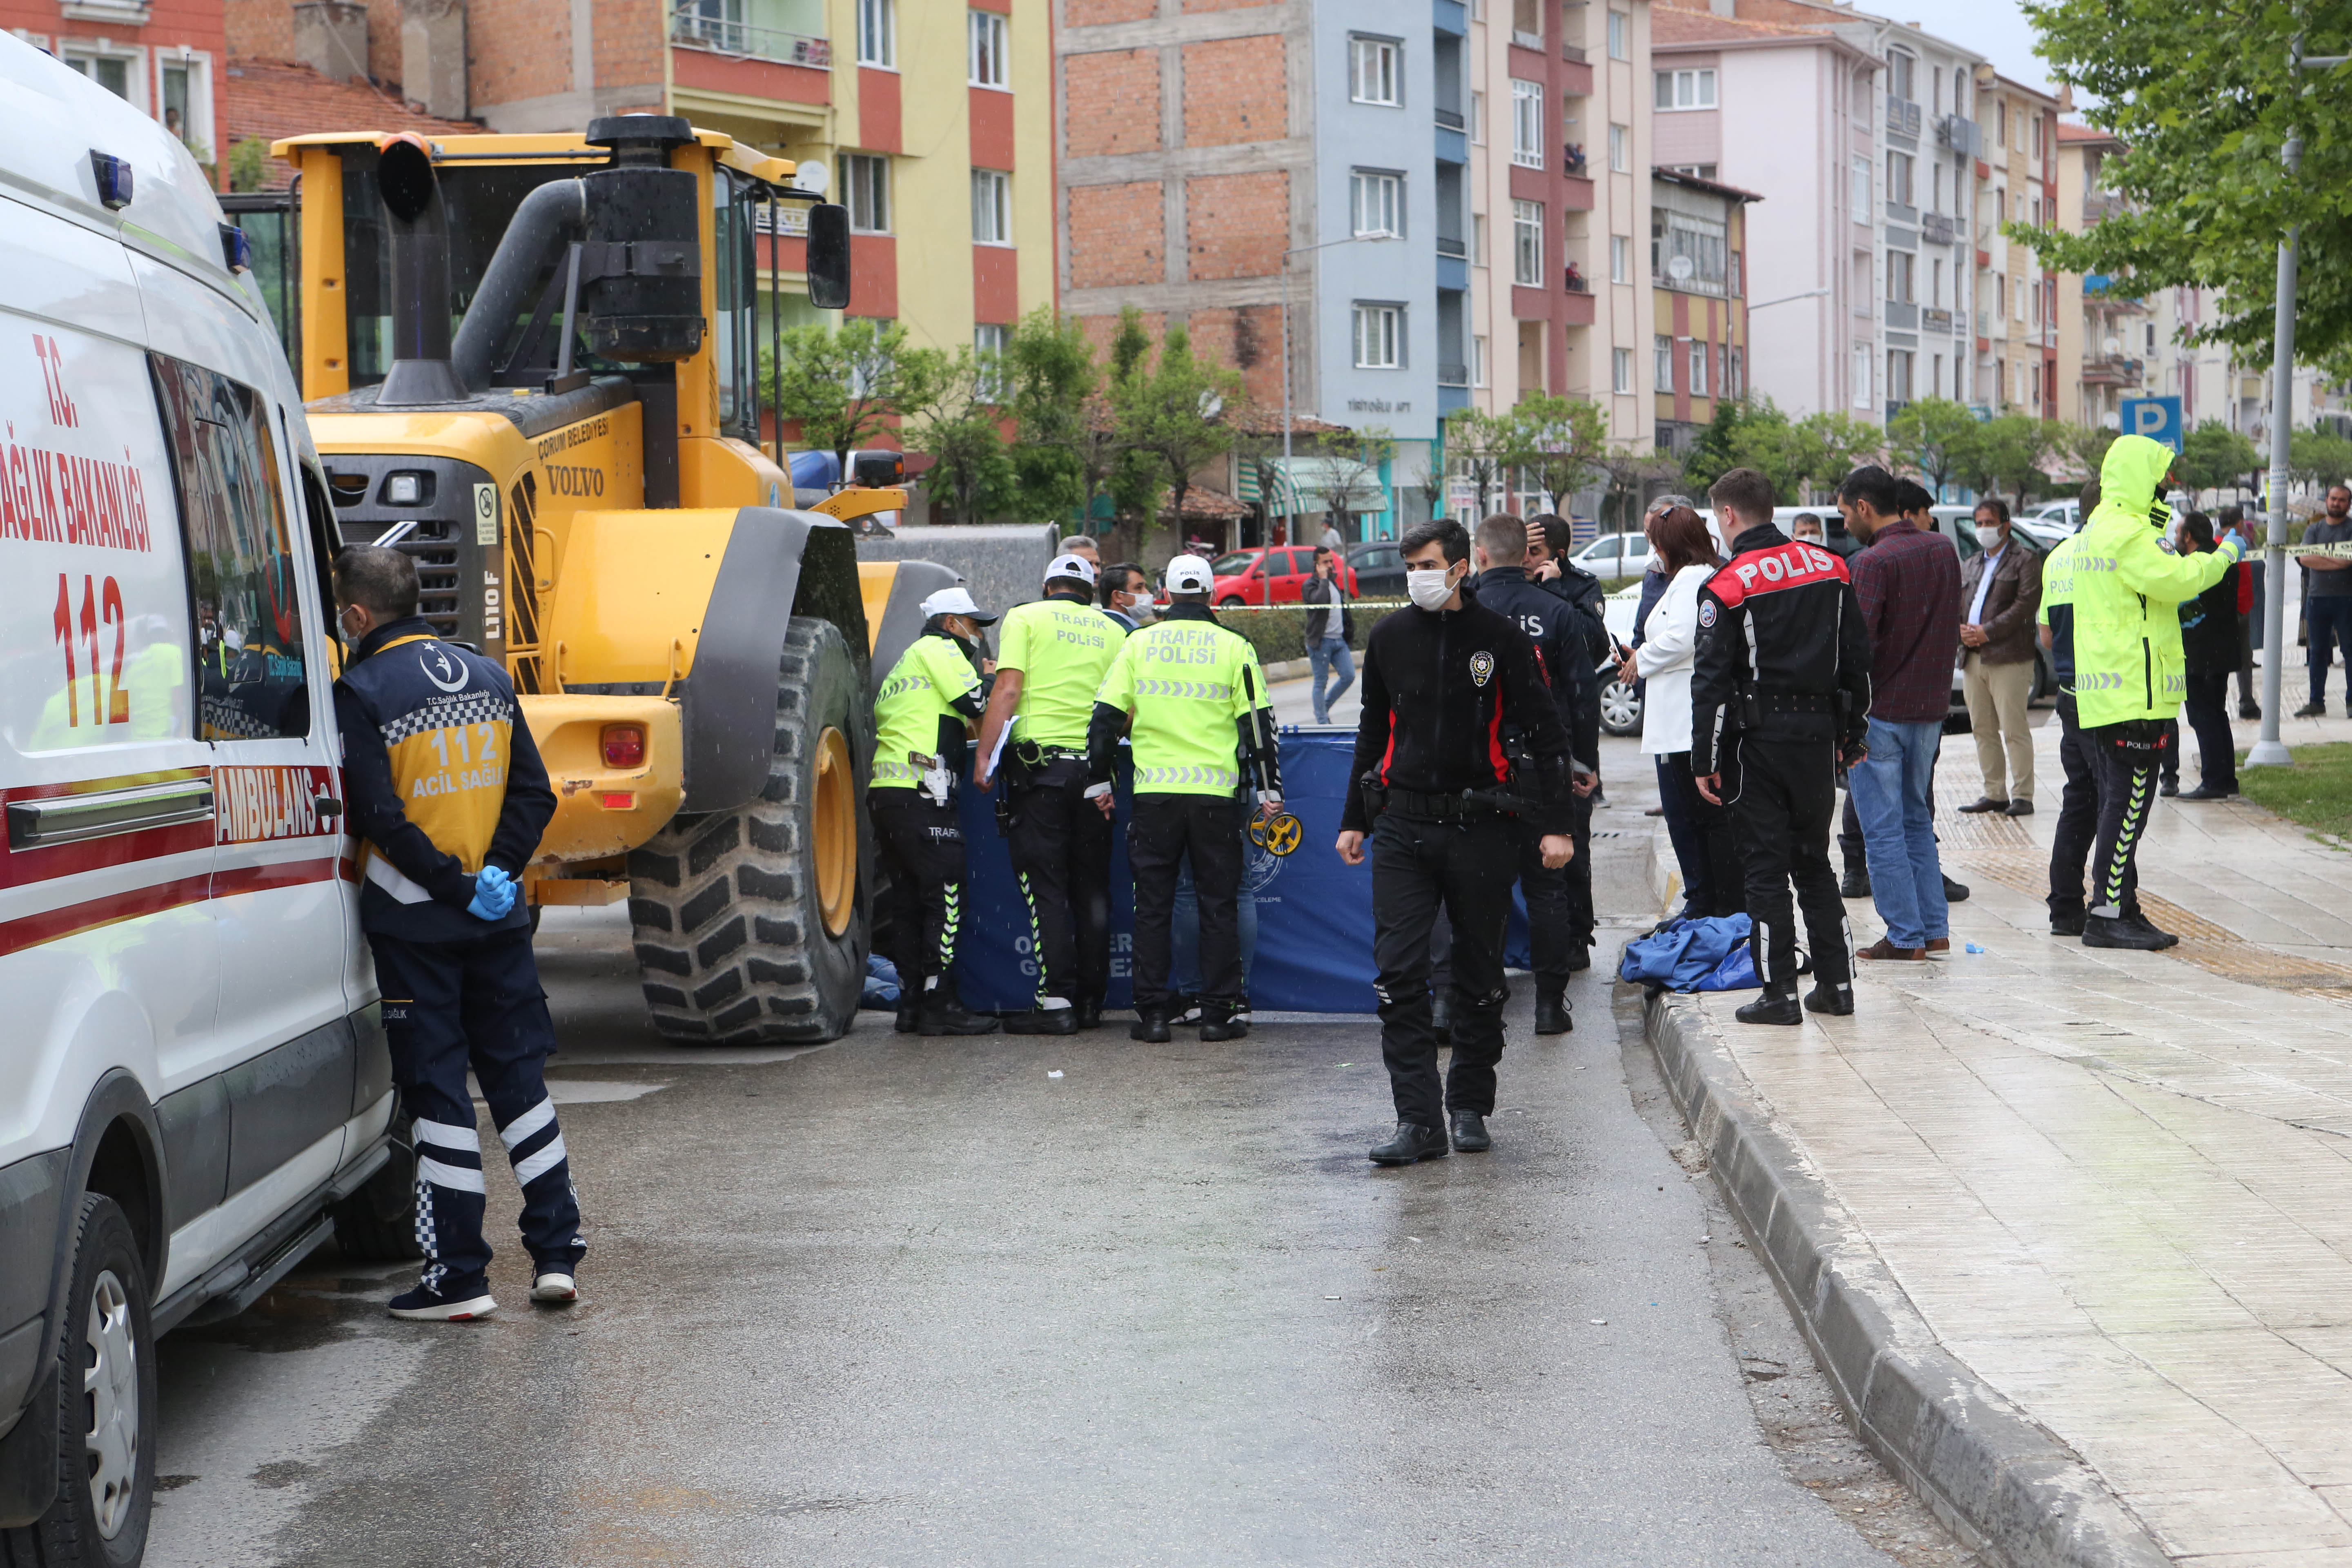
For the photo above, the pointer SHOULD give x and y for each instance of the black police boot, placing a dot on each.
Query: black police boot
(1150, 1025)
(1835, 998)
(2113, 931)
(2138, 920)
(943, 1013)
(1775, 1006)
(1441, 1016)
(1089, 1012)
(1855, 883)
(1184, 1010)
(1219, 1022)
(1580, 954)
(911, 1016)
(1470, 1134)
(1413, 1142)
(1061, 1020)
(2069, 923)
(1552, 1016)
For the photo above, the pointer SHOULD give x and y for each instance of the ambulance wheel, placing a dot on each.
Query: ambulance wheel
(378, 1222)
(99, 1407)
(751, 926)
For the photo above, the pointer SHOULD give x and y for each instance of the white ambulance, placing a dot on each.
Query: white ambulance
(195, 1089)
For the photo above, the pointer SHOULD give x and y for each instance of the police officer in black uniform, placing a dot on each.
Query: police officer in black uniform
(1549, 567)
(1779, 692)
(1556, 629)
(1445, 806)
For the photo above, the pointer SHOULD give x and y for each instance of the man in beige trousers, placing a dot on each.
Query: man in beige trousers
(2001, 588)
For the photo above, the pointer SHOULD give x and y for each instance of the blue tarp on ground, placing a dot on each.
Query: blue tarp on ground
(1314, 951)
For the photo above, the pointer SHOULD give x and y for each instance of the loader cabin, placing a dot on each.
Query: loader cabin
(594, 348)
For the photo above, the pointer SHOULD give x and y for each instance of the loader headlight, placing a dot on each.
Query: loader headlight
(405, 490)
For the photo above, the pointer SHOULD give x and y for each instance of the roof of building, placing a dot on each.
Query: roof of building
(1671, 26)
(2070, 132)
(1700, 183)
(1207, 501)
(276, 99)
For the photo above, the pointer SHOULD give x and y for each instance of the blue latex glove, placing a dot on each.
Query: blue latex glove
(494, 895)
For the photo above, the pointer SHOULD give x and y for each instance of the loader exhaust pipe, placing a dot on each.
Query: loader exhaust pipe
(421, 374)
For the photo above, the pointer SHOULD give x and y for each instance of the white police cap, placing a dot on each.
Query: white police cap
(1190, 574)
(954, 601)
(1077, 566)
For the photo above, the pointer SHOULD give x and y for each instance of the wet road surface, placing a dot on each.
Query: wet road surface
(902, 1301)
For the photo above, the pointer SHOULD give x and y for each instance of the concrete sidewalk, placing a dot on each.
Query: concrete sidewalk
(2116, 1186)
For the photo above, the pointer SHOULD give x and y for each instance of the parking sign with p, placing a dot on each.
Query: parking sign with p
(2157, 418)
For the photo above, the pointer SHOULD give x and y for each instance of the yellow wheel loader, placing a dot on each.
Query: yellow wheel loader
(528, 362)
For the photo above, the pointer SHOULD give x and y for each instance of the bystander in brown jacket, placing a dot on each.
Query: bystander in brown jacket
(2000, 591)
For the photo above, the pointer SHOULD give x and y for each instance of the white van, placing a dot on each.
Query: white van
(195, 1088)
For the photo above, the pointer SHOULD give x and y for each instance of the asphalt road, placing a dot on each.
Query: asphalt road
(910, 1302)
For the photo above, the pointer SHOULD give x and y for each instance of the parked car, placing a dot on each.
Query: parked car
(1265, 574)
(1621, 700)
(1379, 568)
(2063, 515)
(196, 1081)
(1615, 555)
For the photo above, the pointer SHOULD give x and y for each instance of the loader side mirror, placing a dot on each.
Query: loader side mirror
(828, 255)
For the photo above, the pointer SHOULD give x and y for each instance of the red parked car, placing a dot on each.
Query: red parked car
(1245, 576)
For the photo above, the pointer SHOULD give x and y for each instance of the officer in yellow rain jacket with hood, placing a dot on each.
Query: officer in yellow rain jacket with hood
(2128, 677)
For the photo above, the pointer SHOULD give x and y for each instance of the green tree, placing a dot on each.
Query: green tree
(248, 164)
(844, 384)
(1477, 444)
(1556, 443)
(1812, 454)
(1931, 438)
(1167, 411)
(1720, 446)
(2317, 456)
(2214, 456)
(2007, 456)
(2202, 97)
(952, 413)
(1061, 453)
(1628, 474)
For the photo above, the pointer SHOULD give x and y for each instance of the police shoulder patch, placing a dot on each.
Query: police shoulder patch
(1482, 667)
(1706, 612)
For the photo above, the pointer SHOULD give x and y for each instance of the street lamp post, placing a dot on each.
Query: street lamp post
(2270, 751)
(1300, 250)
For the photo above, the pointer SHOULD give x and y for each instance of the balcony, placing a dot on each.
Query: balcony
(1903, 314)
(1936, 320)
(1451, 120)
(1961, 133)
(1575, 281)
(1450, 374)
(2100, 206)
(1902, 117)
(698, 29)
(1937, 228)
(1450, 17)
(2113, 370)
(1451, 244)
(1571, 160)
(1574, 53)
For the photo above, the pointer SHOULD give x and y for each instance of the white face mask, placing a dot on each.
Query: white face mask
(1430, 587)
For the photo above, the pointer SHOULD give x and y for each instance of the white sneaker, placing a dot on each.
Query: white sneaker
(554, 1290)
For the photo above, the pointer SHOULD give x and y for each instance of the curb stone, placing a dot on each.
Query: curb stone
(1996, 1478)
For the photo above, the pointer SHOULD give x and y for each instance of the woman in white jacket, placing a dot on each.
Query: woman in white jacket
(1702, 833)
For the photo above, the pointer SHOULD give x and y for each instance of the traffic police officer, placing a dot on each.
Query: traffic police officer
(921, 720)
(1200, 729)
(2128, 680)
(1443, 803)
(1557, 630)
(449, 796)
(1050, 657)
(1780, 690)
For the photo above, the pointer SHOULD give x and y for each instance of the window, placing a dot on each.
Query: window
(991, 207)
(988, 339)
(1902, 280)
(1527, 123)
(186, 112)
(1698, 381)
(1935, 372)
(250, 681)
(1620, 361)
(1379, 337)
(1527, 243)
(1478, 239)
(989, 63)
(1662, 361)
(1478, 118)
(111, 72)
(1685, 90)
(1376, 201)
(2017, 300)
(1372, 71)
(989, 342)
(2000, 122)
(1899, 67)
(1477, 362)
(1734, 372)
(1860, 194)
(1620, 258)
(1621, 36)
(1620, 144)
(866, 191)
(2037, 138)
(1697, 240)
(1898, 178)
(1899, 375)
(2034, 207)
(1936, 284)
(1731, 276)
(878, 33)
(1861, 367)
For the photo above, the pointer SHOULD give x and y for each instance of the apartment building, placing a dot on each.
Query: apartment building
(164, 56)
(1559, 193)
(1927, 190)
(1287, 175)
(1699, 244)
(2017, 297)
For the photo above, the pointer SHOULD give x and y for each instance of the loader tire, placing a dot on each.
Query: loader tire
(751, 925)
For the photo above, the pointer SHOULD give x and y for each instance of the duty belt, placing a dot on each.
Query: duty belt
(1465, 805)
(1795, 702)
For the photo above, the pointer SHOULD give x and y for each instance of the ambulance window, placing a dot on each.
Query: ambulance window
(243, 581)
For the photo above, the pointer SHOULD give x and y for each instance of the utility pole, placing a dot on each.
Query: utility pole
(2270, 751)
